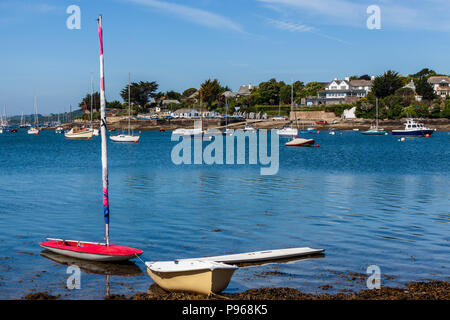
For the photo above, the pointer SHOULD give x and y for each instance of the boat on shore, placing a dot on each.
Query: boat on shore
(413, 128)
(204, 277)
(96, 251)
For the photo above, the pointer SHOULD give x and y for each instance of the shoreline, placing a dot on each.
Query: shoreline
(420, 290)
(440, 124)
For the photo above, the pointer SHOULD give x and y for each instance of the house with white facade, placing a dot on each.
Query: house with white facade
(441, 85)
(342, 91)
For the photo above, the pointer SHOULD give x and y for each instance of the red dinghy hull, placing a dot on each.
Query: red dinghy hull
(90, 250)
(299, 142)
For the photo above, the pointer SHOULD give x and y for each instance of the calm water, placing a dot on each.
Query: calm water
(365, 200)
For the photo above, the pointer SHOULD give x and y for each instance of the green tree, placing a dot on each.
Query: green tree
(173, 95)
(210, 90)
(311, 89)
(386, 84)
(86, 102)
(424, 89)
(269, 91)
(140, 92)
(189, 92)
(115, 104)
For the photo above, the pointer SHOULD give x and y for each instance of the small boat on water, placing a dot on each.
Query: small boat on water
(287, 132)
(35, 129)
(93, 250)
(130, 137)
(299, 142)
(309, 130)
(414, 129)
(374, 130)
(204, 277)
(249, 128)
(125, 138)
(78, 133)
(229, 132)
(59, 130)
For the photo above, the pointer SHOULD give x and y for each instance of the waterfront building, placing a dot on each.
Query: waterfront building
(441, 85)
(342, 91)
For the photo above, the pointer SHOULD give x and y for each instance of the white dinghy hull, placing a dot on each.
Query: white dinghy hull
(125, 138)
(259, 256)
(203, 277)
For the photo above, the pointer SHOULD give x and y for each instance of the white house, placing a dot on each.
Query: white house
(342, 91)
(346, 88)
(441, 85)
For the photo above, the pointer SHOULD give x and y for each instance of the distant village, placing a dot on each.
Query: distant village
(347, 92)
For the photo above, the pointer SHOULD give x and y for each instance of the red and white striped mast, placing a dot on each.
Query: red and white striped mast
(103, 133)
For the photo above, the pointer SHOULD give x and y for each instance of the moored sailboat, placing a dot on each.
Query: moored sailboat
(374, 130)
(79, 133)
(35, 129)
(130, 137)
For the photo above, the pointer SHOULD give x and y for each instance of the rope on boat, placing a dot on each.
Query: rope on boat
(142, 261)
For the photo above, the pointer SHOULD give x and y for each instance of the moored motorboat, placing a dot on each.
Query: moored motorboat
(59, 130)
(204, 277)
(33, 130)
(299, 142)
(78, 133)
(413, 128)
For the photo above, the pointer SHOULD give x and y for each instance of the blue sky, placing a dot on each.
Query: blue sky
(180, 44)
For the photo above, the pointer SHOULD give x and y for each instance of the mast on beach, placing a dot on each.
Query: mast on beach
(103, 133)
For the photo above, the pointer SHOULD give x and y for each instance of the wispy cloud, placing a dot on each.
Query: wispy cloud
(298, 27)
(289, 26)
(410, 14)
(198, 16)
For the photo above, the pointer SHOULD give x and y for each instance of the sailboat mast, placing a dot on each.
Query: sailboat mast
(201, 107)
(35, 113)
(129, 104)
(226, 115)
(103, 133)
(377, 113)
(92, 98)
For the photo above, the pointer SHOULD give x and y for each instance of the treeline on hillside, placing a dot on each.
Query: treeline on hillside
(274, 97)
